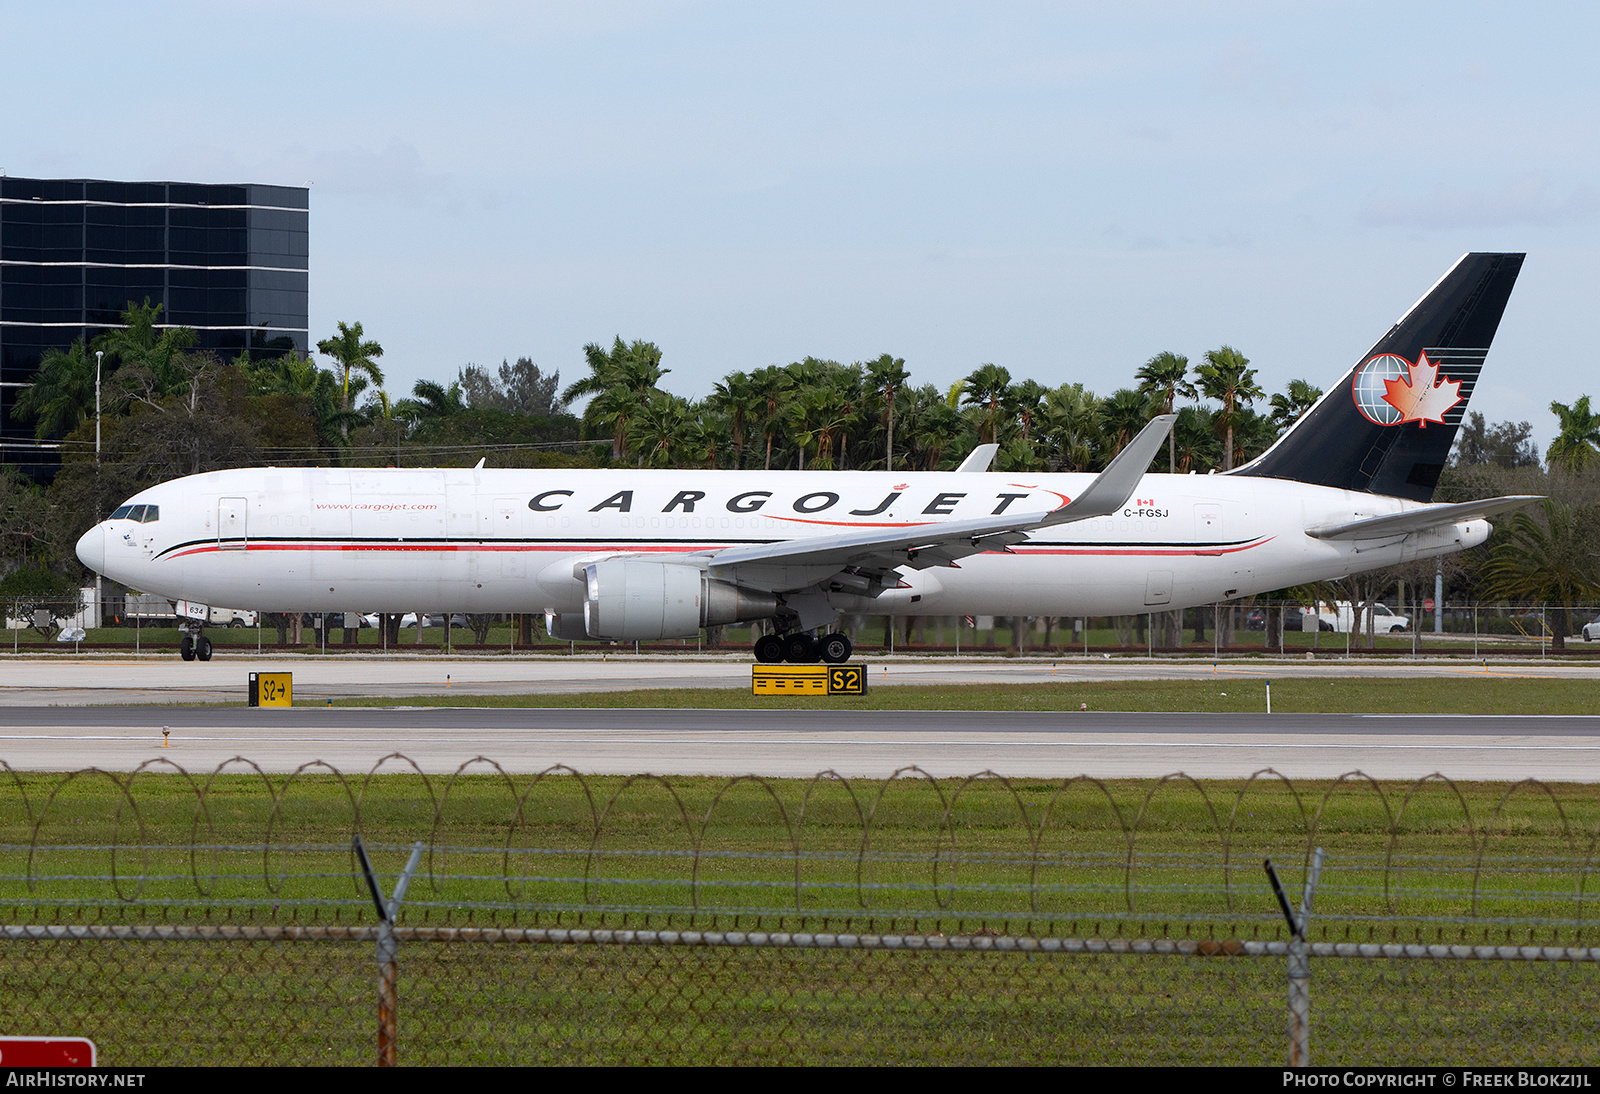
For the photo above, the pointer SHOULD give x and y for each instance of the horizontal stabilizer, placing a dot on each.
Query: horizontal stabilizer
(979, 459)
(1417, 520)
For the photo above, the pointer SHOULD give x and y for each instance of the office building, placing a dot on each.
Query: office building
(229, 261)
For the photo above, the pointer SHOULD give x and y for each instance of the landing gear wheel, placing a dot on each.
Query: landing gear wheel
(800, 649)
(835, 649)
(202, 648)
(186, 648)
(769, 649)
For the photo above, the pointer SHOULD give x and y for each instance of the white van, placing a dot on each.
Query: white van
(1339, 617)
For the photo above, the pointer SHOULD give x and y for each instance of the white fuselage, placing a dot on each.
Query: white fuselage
(484, 540)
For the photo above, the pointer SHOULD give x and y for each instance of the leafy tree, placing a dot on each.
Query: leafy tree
(1504, 444)
(1548, 559)
(521, 388)
(1227, 378)
(315, 389)
(24, 519)
(27, 589)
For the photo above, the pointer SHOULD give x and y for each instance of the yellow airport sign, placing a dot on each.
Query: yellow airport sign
(271, 689)
(808, 679)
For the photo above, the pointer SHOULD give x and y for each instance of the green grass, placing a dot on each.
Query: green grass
(1233, 690)
(1401, 865)
(803, 848)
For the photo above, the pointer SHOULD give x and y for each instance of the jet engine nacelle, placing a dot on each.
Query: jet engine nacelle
(637, 599)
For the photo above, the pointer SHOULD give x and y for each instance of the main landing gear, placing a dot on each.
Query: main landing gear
(803, 649)
(194, 645)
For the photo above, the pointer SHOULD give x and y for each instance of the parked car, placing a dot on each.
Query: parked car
(1591, 631)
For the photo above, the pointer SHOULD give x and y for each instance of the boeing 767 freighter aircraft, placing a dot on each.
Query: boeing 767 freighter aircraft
(638, 554)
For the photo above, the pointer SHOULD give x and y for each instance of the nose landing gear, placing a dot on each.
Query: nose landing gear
(194, 645)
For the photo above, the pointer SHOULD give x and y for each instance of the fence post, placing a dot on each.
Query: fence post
(1299, 962)
(388, 952)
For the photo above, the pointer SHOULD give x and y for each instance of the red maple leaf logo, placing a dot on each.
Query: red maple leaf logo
(1422, 396)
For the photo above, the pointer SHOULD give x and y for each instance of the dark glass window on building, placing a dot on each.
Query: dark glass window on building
(228, 260)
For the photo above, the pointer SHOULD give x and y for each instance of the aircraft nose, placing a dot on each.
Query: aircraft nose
(92, 548)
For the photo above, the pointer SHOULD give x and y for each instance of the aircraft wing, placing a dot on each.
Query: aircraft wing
(793, 564)
(1417, 520)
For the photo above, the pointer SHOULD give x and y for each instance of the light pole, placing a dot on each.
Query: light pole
(99, 582)
(99, 357)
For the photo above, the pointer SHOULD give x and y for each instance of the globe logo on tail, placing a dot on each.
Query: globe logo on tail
(1389, 390)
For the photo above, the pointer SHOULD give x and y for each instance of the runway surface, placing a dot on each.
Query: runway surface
(802, 743)
(46, 681)
(63, 713)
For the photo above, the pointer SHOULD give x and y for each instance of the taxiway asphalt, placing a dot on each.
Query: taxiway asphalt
(802, 743)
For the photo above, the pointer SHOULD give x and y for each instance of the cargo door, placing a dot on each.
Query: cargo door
(231, 520)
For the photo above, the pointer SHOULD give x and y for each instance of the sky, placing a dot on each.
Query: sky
(1061, 189)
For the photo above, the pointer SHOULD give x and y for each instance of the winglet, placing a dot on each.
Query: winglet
(1112, 488)
(978, 459)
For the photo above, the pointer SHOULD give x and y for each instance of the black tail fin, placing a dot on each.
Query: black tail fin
(1387, 426)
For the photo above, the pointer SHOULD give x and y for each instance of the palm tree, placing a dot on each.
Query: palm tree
(886, 376)
(1196, 440)
(1227, 378)
(621, 380)
(1124, 412)
(1290, 404)
(735, 397)
(300, 376)
(140, 344)
(61, 396)
(931, 425)
(1165, 377)
(1578, 446)
(770, 389)
(352, 355)
(1546, 562)
(988, 389)
(1072, 419)
(431, 400)
(660, 430)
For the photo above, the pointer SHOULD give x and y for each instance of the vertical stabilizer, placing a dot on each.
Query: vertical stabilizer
(1387, 426)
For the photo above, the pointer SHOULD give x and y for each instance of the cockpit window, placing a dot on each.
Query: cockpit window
(151, 513)
(136, 513)
(120, 513)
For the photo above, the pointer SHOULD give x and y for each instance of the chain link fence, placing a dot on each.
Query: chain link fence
(185, 918)
(138, 623)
